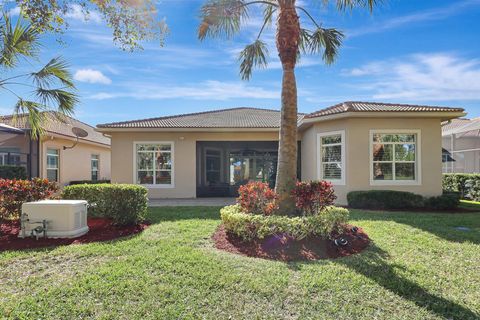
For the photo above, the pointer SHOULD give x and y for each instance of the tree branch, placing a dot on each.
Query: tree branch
(308, 15)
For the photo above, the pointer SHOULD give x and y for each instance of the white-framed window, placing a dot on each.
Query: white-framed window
(94, 162)
(154, 164)
(53, 156)
(331, 157)
(395, 157)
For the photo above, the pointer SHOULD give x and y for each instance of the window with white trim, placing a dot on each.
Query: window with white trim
(94, 166)
(394, 156)
(154, 164)
(52, 164)
(332, 156)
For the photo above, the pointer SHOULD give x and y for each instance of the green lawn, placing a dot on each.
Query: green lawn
(418, 267)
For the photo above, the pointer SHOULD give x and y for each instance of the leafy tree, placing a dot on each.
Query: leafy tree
(223, 18)
(51, 87)
(131, 21)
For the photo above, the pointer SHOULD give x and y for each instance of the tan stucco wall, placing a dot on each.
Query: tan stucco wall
(75, 163)
(184, 175)
(357, 158)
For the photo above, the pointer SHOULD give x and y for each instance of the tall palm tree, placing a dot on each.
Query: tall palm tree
(223, 18)
(51, 87)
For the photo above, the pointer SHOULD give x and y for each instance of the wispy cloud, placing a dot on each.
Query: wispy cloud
(76, 12)
(207, 90)
(91, 76)
(428, 15)
(434, 77)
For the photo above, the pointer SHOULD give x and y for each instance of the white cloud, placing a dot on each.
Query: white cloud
(14, 12)
(76, 12)
(433, 77)
(207, 90)
(91, 76)
(423, 16)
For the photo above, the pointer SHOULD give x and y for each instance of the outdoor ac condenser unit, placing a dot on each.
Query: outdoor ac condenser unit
(54, 218)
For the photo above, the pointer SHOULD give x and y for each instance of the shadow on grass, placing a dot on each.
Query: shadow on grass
(162, 214)
(374, 265)
(442, 225)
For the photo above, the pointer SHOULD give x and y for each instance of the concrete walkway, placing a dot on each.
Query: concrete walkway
(197, 202)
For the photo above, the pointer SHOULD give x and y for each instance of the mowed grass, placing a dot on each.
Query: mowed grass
(419, 266)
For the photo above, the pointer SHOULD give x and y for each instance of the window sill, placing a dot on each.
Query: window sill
(157, 186)
(395, 183)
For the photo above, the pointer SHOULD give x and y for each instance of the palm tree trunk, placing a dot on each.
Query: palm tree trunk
(288, 32)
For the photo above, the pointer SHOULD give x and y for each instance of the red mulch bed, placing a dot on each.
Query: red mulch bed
(100, 230)
(285, 248)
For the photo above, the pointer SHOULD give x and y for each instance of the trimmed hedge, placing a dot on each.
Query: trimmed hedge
(123, 203)
(384, 199)
(13, 172)
(399, 200)
(468, 185)
(75, 182)
(252, 226)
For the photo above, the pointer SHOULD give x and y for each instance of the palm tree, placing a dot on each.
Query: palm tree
(51, 87)
(223, 18)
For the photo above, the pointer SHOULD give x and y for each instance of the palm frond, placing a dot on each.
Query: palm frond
(35, 114)
(63, 101)
(327, 42)
(344, 5)
(19, 40)
(55, 69)
(221, 18)
(254, 55)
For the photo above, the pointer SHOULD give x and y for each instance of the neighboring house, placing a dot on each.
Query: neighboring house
(461, 138)
(355, 145)
(46, 157)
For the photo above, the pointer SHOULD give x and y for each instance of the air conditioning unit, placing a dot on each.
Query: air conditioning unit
(54, 219)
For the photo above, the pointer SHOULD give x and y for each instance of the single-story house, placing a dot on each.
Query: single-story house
(52, 156)
(355, 145)
(461, 138)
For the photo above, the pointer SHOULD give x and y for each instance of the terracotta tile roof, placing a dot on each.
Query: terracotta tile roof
(357, 106)
(462, 127)
(224, 118)
(54, 125)
(261, 118)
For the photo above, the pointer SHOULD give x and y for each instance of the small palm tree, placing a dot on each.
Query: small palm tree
(51, 87)
(223, 18)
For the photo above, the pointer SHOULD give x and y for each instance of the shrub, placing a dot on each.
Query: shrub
(13, 172)
(384, 199)
(74, 182)
(446, 201)
(312, 197)
(123, 203)
(257, 198)
(249, 226)
(468, 185)
(13, 193)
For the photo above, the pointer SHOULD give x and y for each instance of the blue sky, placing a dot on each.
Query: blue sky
(419, 52)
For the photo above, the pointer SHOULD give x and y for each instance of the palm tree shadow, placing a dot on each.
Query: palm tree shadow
(374, 265)
(443, 225)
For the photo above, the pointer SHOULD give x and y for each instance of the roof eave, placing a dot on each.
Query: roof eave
(108, 129)
(442, 115)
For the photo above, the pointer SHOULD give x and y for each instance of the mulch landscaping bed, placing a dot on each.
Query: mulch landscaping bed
(284, 248)
(100, 230)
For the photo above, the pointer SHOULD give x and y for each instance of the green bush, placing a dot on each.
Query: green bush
(13, 172)
(384, 200)
(74, 182)
(252, 226)
(468, 185)
(446, 201)
(123, 203)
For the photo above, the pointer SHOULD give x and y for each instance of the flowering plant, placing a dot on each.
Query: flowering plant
(257, 198)
(314, 196)
(13, 193)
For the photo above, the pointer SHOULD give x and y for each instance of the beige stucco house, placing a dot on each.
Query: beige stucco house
(52, 155)
(355, 145)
